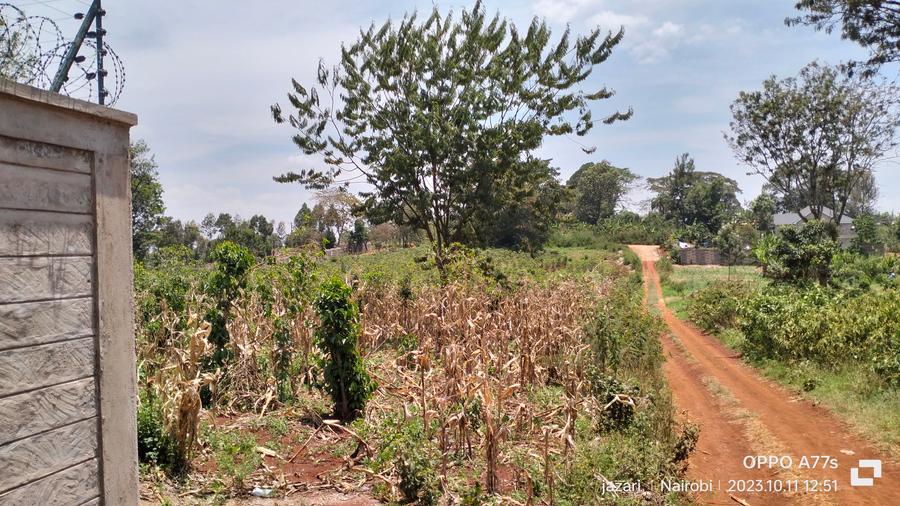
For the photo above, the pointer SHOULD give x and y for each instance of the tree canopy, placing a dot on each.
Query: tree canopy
(697, 202)
(147, 205)
(256, 234)
(430, 112)
(815, 137)
(873, 24)
(761, 212)
(598, 190)
(518, 211)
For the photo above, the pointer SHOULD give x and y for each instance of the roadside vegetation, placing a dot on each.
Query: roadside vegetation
(821, 320)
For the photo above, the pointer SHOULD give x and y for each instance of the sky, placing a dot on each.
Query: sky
(201, 76)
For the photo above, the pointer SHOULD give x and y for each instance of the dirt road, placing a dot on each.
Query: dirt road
(743, 415)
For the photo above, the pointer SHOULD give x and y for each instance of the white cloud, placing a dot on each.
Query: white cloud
(668, 30)
(658, 44)
(612, 20)
(563, 11)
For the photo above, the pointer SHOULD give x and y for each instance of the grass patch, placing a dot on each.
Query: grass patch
(687, 279)
(392, 266)
(852, 392)
(235, 456)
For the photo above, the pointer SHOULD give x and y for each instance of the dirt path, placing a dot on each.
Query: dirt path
(741, 414)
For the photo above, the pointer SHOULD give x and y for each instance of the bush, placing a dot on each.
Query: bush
(623, 335)
(155, 445)
(235, 455)
(619, 415)
(784, 322)
(798, 254)
(686, 443)
(714, 308)
(866, 241)
(665, 269)
(857, 273)
(165, 285)
(631, 259)
(866, 328)
(232, 263)
(347, 381)
(285, 292)
(418, 480)
(629, 228)
(405, 446)
(577, 235)
(825, 326)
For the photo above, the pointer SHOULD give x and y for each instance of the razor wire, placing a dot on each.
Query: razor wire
(32, 48)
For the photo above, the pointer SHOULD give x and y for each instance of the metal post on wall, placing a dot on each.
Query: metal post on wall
(101, 90)
(94, 15)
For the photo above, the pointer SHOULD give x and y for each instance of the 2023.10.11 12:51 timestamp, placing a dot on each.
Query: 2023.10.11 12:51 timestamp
(783, 486)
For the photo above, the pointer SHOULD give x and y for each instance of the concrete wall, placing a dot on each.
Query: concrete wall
(707, 256)
(699, 256)
(67, 373)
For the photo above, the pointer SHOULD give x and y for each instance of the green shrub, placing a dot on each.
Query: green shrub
(866, 241)
(292, 281)
(866, 328)
(462, 263)
(235, 455)
(686, 443)
(577, 235)
(665, 269)
(858, 273)
(630, 228)
(635, 454)
(623, 334)
(155, 447)
(406, 446)
(784, 322)
(826, 326)
(798, 254)
(618, 415)
(631, 259)
(346, 379)
(418, 480)
(166, 283)
(715, 307)
(232, 263)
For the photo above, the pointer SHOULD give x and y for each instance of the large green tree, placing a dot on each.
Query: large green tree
(174, 232)
(761, 212)
(862, 200)
(816, 137)
(428, 112)
(518, 211)
(147, 205)
(873, 24)
(598, 190)
(256, 234)
(698, 202)
(671, 190)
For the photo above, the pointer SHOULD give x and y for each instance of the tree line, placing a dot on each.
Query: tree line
(442, 116)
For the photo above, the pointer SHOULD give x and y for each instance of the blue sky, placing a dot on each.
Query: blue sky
(202, 75)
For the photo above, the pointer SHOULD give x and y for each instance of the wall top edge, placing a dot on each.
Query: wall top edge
(32, 94)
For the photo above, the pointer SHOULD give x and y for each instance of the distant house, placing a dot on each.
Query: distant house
(846, 232)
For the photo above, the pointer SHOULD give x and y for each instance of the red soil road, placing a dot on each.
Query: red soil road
(794, 424)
